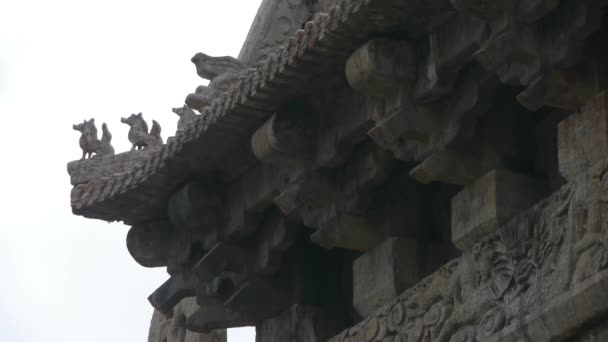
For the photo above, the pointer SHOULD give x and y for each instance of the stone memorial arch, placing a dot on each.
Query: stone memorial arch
(378, 171)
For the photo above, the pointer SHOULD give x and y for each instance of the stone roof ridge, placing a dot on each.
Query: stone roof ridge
(245, 87)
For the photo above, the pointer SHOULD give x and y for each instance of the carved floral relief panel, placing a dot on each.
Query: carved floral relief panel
(542, 254)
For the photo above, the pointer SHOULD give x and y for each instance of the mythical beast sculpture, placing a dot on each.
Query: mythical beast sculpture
(220, 71)
(138, 133)
(89, 143)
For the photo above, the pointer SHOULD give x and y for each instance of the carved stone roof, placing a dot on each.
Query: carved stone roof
(313, 54)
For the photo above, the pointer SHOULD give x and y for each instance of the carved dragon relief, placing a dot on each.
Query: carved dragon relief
(552, 248)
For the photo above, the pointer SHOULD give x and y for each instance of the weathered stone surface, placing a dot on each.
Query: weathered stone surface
(221, 73)
(186, 115)
(489, 202)
(324, 5)
(301, 323)
(539, 277)
(381, 67)
(598, 333)
(564, 89)
(384, 272)
(90, 143)
(448, 167)
(275, 21)
(84, 171)
(348, 231)
(583, 138)
(138, 132)
(439, 103)
(213, 315)
(288, 136)
(172, 327)
(176, 288)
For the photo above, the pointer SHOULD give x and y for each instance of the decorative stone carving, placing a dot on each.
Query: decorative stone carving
(521, 53)
(220, 71)
(89, 143)
(526, 273)
(138, 133)
(151, 245)
(186, 115)
(530, 268)
(335, 208)
(537, 276)
(450, 48)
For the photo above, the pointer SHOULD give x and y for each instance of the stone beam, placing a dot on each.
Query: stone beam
(288, 136)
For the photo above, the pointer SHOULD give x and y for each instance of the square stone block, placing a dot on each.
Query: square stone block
(491, 201)
(383, 273)
(582, 138)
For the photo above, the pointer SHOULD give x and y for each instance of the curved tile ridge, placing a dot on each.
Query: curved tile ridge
(317, 34)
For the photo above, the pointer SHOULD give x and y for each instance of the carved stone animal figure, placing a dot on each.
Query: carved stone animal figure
(220, 71)
(138, 133)
(186, 114)
(89, 143)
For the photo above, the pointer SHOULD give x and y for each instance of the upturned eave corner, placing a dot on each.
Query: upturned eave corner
(383, 170)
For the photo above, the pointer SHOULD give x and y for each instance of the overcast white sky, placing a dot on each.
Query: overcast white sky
(65, 278)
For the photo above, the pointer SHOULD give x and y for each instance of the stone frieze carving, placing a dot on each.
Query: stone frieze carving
(532, 267)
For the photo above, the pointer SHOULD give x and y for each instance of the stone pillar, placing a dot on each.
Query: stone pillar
(172, 328)
(383, 273)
